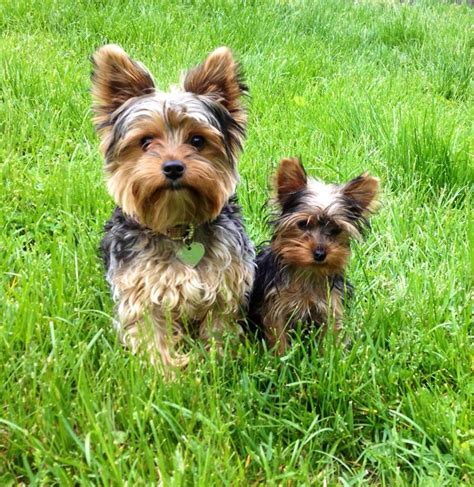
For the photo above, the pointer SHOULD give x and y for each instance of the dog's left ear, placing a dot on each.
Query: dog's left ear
(363, 190)
(219, 76)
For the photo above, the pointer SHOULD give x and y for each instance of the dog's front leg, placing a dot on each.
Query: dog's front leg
(275, 334)
(333, 318)
(148, 331)
(215, 327)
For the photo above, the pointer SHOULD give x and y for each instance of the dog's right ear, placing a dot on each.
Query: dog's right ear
(115, 79)
(220, 77)
(361, 193)
(290, 178)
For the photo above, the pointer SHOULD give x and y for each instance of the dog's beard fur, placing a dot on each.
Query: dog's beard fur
(128, 108)
(160, 206)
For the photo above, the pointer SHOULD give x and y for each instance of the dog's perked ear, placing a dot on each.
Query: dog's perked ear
(362, 191)
(290, 178)
(115, 79)
(219, 77)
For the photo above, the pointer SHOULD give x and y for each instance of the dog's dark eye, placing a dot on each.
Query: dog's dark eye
(197, 141)
(145, 142)
(303, 224)
(333, 230)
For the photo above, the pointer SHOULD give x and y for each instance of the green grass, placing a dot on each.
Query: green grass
(349, 86)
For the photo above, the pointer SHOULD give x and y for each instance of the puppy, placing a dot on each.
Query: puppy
(301, 273)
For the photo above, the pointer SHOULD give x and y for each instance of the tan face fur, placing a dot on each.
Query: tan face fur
(142, 129)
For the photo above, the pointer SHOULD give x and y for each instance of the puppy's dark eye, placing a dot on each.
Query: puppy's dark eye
(145, 142)
(303, 224)
(197, 141)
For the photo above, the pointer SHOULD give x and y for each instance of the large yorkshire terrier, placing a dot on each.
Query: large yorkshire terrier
(301, 274)
(177, 257)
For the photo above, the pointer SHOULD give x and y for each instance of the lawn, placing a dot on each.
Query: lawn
(348, 86)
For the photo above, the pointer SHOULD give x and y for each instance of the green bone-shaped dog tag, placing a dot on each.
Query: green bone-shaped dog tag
(191, 254)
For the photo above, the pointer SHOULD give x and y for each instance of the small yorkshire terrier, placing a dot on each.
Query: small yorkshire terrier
(176, 254)
(300, 275)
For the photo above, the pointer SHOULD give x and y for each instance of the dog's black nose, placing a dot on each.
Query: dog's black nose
(173, 169)
(319, 254)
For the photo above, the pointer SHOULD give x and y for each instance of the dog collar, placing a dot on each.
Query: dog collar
(183, 232)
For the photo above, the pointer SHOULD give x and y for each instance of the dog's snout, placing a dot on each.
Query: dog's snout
(319, 254)
(173, 169)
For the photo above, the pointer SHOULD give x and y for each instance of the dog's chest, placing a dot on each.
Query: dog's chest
(302, 303)
(155, 276)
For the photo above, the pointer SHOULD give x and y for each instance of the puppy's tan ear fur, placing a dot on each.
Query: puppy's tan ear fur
(364, 190)
(115, 79)
(219, 77)
(290, 178)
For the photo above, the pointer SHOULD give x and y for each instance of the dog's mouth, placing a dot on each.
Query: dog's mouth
(172, 187)
(181, 186)
(176, 186)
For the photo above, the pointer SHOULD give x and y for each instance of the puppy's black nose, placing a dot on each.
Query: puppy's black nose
(319, 254)
(173, 169)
